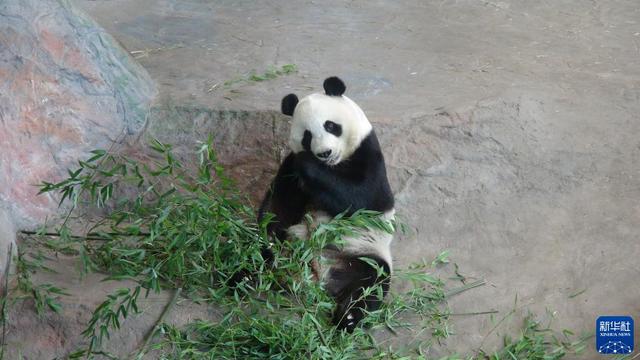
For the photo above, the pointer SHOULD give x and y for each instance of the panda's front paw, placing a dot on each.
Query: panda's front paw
(298, 231)
(305, 163)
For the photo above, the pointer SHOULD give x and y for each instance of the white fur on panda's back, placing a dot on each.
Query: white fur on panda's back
(365, 242)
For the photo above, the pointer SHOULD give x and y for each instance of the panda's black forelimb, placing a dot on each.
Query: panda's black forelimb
(285, 199)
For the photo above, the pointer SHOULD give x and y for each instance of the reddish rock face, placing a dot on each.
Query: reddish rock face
(66, 87)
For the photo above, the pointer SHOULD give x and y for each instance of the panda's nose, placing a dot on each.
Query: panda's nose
(324, 155)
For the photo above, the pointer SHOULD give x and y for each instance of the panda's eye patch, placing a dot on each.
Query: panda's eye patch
(333, 128)
(306, 140)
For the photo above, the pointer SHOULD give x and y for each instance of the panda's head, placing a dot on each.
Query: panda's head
(329, 125)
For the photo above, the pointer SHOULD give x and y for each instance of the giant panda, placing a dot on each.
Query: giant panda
(335, 166)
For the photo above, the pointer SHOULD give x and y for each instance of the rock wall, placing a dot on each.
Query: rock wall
(250, 145)
(66, 87)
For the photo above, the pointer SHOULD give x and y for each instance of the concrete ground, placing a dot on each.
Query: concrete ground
(510, 128)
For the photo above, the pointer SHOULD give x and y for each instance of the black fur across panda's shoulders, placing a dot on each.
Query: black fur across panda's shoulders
(358, 182)
(368, 166)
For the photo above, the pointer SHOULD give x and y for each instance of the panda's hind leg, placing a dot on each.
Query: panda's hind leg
(348, 283)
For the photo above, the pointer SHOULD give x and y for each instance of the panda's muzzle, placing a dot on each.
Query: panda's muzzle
(324, 155)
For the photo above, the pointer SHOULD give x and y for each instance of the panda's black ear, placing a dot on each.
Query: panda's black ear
(333, 86)
(289, 103)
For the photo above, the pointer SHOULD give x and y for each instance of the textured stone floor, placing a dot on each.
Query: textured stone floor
(510, 128)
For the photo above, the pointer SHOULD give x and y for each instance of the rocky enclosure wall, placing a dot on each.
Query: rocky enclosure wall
(66, 87)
